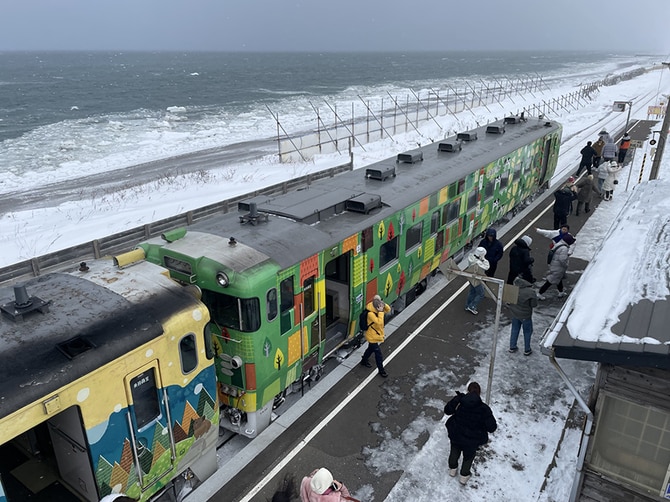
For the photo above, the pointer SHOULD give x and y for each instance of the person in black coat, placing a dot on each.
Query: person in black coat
(469, 425)
(563, 204)
(520, 260)
(494, 250)
(588, 154)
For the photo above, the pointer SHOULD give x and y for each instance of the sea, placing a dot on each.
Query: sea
(86, 112)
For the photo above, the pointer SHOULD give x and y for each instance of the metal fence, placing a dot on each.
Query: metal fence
(338, 130)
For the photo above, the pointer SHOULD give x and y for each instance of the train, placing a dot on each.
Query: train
(119, 375)
(286, 277)
(108, 386)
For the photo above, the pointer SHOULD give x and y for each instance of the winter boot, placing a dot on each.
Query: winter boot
(463, 479)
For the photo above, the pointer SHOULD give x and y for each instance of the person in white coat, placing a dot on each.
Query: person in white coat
(613, 169)
(477, 264)
(558, 266)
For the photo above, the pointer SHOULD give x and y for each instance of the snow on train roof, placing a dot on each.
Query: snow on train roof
(619, 310)
(314, 216)
(93, 317)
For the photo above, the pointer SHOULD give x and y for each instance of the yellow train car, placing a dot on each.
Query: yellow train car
(107, 386)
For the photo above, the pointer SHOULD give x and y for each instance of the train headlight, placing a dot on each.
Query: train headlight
(222, 279)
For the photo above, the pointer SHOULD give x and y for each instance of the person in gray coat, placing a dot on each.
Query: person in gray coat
(586, 188)
(558, 266)
(521, 313)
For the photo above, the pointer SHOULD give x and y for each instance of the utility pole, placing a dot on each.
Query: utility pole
(653, 174)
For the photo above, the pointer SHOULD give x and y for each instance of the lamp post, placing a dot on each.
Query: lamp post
(653, 174)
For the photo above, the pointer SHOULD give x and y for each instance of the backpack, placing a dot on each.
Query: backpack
(550, 256)
(363, 320)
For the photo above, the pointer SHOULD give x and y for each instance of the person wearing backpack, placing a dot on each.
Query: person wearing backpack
(374, 333)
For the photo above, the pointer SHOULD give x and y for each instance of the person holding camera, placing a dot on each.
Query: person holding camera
(611, 181)
(320, 486)
(469, 425)
(374, 335)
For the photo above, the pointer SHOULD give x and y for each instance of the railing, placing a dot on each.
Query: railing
(124, 241)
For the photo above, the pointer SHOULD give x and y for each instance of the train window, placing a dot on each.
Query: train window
(504, 180)
(452, 211)
(286, 288)
(366, 239)
(188, 353)
(413, 236)
(461, 185)
(434, 222)
(271, 303)
(145, 398)
(242, 314)
(472, 198)
(308, 295)
(488, 189)
(388, 252)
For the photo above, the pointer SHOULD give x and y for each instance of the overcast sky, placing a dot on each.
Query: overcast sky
(342, 25)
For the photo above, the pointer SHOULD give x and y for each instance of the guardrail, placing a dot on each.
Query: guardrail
(124, 241)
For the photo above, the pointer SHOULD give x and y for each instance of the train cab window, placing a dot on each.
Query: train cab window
(242, 314)
(308, 295)
(271, 303)
(188, 353)
(473, 199)
(413, 236)
(145, 398)
(388, 252)
(434, 222)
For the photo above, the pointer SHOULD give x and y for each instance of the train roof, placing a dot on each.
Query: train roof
(619, 311)
(79, 322)
(304, 222)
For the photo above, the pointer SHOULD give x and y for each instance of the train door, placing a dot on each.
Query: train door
(150, 425)
(68, 439)
(338, 302)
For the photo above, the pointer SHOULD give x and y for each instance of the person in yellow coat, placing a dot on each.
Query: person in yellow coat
(374, 335)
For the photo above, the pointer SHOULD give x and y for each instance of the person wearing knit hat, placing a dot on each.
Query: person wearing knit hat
(477, 264)
(520, 260)
(374, 334)
(320, 486)
(558, 266)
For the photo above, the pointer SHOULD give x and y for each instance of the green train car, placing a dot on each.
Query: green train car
(286, 277)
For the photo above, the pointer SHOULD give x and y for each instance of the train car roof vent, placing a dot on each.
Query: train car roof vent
(380, 173)
(410, 157)
(23, 304)
(253, 216)
(495, 129)
(467, 136)
(74, 346)
(516, 119)
(450, 145)
(363, 203)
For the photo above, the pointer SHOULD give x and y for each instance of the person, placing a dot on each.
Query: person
(586, 188)
(469, 424)
(286, 492)
(494, 250)
(521, 313)
(558, 266)
(611, 180)
(588, 154)
(598, 147)
(556, 236)
(602, 176)
(477, 264)
(520, 260)
(563, 204)
(624, 145)
(320, 486)
(374, 335)
(609, 150)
